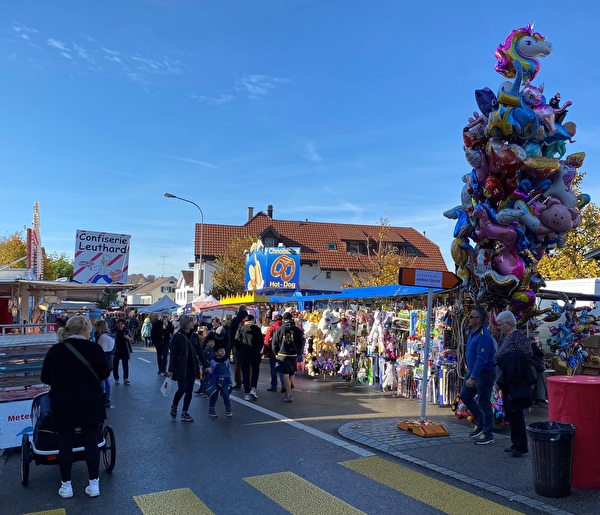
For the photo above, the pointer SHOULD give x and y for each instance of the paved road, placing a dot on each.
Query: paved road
(270, 457)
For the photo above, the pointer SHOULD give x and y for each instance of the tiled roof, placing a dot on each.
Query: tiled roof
(148, 287)
(313, 239)
(188, 276)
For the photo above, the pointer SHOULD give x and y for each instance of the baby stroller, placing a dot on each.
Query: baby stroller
(43, 446)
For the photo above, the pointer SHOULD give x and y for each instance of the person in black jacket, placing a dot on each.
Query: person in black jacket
(162, 330)
(286, 344)
(516, 379)
(185, 352)
(122, 351)
(236, 321)
(76, 398)
(249, 344)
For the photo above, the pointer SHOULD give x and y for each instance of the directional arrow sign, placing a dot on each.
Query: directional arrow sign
(428, 278)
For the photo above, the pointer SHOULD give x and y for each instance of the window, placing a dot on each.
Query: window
(167, 289)
(327, 275)
(270, 242)
(405, 249)
(356, 247)
(332, 245)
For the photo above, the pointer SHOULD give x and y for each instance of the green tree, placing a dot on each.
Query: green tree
(13, 251)
(382, 262)
(58, 265)
(230, 268)
(569, 262)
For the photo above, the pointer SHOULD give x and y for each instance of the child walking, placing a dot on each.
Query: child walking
(220, 380)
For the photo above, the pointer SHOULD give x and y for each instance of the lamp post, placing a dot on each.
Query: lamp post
(200, 278)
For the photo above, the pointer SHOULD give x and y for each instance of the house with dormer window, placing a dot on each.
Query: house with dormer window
(328, 251)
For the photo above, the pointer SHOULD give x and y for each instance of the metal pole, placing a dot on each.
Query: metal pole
(201, 278)
(425, 380)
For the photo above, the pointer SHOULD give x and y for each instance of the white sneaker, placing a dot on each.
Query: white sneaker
(247, 397)
(66, 489)
(253, 394)
(93, 489)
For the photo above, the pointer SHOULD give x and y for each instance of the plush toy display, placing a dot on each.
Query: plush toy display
(390, 381)
(330, 326)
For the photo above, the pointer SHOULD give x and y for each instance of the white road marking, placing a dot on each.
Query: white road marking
(315, 432)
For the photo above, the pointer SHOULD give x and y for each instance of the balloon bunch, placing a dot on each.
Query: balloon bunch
(567, 338)
(516, 203)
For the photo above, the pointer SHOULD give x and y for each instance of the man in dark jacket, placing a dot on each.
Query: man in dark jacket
(249, 346)
(162, 330)
(287, 343)
(236, 321)
(185, 356)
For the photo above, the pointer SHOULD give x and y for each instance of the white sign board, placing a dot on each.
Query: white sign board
(101, 257)
(15, 421)
(428, 278)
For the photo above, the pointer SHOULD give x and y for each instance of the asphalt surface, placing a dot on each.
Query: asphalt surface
(355, 417)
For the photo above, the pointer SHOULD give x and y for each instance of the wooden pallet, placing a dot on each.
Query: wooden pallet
(424, 428)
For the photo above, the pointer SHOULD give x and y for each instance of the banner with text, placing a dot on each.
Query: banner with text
(101, 257)
(273, 269)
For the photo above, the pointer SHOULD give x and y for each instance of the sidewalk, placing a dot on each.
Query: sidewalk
(457, 457)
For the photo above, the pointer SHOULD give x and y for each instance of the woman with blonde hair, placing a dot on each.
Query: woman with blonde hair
(74, 368)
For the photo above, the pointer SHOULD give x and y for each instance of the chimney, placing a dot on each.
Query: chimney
(250, 212)
(270, 210)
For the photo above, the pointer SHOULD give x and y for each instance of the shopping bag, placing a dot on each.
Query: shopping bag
(166, 387)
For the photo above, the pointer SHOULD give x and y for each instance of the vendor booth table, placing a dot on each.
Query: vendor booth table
(576, 400)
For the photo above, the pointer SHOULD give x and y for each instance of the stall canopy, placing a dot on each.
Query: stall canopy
(205, 302)
(366, 292)
(163, 304)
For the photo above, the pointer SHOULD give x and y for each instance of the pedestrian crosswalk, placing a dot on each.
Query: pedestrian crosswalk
(299, 496)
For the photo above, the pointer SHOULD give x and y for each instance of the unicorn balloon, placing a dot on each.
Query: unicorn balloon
(522, 45)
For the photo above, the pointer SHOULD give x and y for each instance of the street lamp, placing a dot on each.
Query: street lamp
(201, 278)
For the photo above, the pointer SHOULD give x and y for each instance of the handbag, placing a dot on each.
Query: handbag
(165, 387)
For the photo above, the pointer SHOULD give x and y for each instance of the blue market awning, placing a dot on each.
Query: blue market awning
(366, 292)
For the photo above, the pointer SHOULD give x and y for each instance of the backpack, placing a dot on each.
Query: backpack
(287, 343)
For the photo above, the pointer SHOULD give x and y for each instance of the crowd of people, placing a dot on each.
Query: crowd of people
(227, 356)
(78, 369)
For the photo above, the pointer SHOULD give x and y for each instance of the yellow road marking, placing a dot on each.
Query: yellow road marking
(174, 502)
(297, 495)
(432, 492)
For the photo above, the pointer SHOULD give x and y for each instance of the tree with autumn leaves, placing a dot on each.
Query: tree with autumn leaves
(13, 252)
(229, 275)
(381, 263)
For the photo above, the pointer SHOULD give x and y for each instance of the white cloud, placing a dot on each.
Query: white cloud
(257, 86)
(311, 153)
(57, 44)
(218, 100)
(190, 160)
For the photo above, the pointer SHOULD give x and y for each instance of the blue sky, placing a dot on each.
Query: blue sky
(334, 111)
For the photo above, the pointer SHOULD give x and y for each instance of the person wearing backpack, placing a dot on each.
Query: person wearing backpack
(286, 344)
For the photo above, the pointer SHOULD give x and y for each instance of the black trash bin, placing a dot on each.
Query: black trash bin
(552, 455)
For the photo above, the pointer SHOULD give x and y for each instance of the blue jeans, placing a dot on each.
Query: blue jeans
(482, 409)
(274, 373)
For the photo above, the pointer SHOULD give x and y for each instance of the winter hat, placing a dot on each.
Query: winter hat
(220, 333)
(287, 316)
